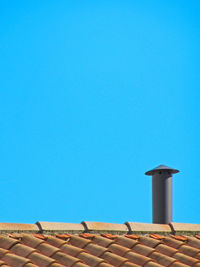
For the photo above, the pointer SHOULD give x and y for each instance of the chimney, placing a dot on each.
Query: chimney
(162, 193)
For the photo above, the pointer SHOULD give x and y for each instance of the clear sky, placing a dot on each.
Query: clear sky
(92, 95)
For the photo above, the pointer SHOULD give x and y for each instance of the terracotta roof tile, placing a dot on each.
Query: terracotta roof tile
(110, 236)
(119, 250)
(185, 227)
(193, 242)
(87, 235)
(89, 259)
(6, 242)
(114, 259)
(162, 259)
(172, 242)
(143, 250)
(56, 242)
(40, 236)
(150, 242)
(22, 250)
(78, 241)
(132, 236)
(71, 250)
(14, 260)
(126, 242)
(190, 251)
(75, 249)
(62, 258)
(47, 249)
(166, 250)
(63, 236)
(137, 258)
(179, 237)
(60, 227)
(102, 241)
(157, 236)
(185, 259)
(105, 227)
(31, 241)
(95, 249)
(15, 235)
(40, 260)
(18, 227)
(148, 227)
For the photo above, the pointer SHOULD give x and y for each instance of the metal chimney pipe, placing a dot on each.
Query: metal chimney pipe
(162, 193)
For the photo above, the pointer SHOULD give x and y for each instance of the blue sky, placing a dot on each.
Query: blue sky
(92, 95)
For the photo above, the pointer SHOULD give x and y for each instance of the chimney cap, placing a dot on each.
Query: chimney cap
(161, 168)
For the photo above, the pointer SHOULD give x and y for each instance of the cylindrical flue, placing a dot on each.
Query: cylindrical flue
(162, 193)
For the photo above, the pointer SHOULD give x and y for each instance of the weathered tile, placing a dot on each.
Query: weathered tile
(148, 228)
(60, 227)
(98, 227)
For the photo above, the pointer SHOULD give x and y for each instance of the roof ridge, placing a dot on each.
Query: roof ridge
(101, 228)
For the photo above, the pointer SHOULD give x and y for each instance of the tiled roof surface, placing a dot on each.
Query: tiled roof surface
(99, 245)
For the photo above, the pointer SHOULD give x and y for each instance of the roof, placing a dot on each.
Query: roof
(47, 244)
